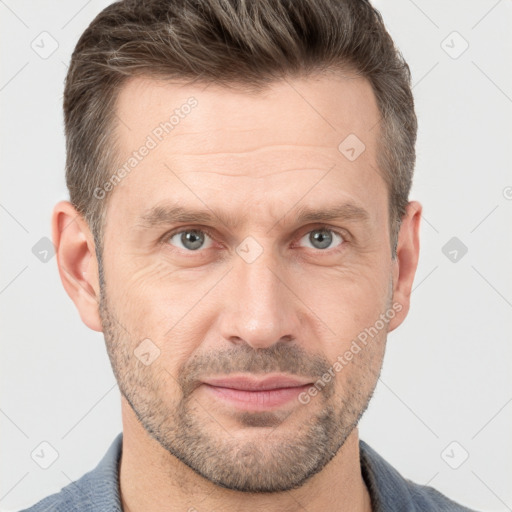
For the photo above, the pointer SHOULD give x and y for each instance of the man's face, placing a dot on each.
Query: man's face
(289, 262)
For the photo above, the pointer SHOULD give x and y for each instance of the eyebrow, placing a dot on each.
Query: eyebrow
(165, 215)
(170, 214)
(346, 211)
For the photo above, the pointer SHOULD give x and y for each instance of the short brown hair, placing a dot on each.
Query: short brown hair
(248, 43)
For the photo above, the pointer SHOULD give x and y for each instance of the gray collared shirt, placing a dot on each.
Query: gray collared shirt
(98, 490)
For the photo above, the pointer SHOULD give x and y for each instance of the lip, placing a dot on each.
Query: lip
(251, 383)
(256, 394)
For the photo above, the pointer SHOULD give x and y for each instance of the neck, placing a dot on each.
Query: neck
(152, 479)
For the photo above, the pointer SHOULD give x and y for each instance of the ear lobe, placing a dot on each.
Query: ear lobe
(406, 263)
(76, 260)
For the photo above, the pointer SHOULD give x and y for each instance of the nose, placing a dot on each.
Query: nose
(260, 308)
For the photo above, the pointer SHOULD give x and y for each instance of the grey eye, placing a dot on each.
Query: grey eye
(190, 239)
(321, 238)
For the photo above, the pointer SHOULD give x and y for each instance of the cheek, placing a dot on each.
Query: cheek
(347, 300)
(152, 291)
(153, 301)
(351, 302)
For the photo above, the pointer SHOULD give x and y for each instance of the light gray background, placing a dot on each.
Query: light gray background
(447, 373)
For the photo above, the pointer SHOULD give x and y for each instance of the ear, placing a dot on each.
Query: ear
(77, 263)
(406, 262)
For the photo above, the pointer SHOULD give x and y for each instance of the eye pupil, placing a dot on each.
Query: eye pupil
(320, 238)
(192, 240)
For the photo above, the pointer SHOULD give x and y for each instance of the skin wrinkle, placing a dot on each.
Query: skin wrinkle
(293, 310)
(241, 175)
(187, 165)
(257, 149)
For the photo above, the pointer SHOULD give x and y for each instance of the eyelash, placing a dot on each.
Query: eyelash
(341, 233)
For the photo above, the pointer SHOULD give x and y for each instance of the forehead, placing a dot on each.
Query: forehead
(210, 141)
(319, 110)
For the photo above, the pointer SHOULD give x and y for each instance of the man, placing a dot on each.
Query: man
(239, 229)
